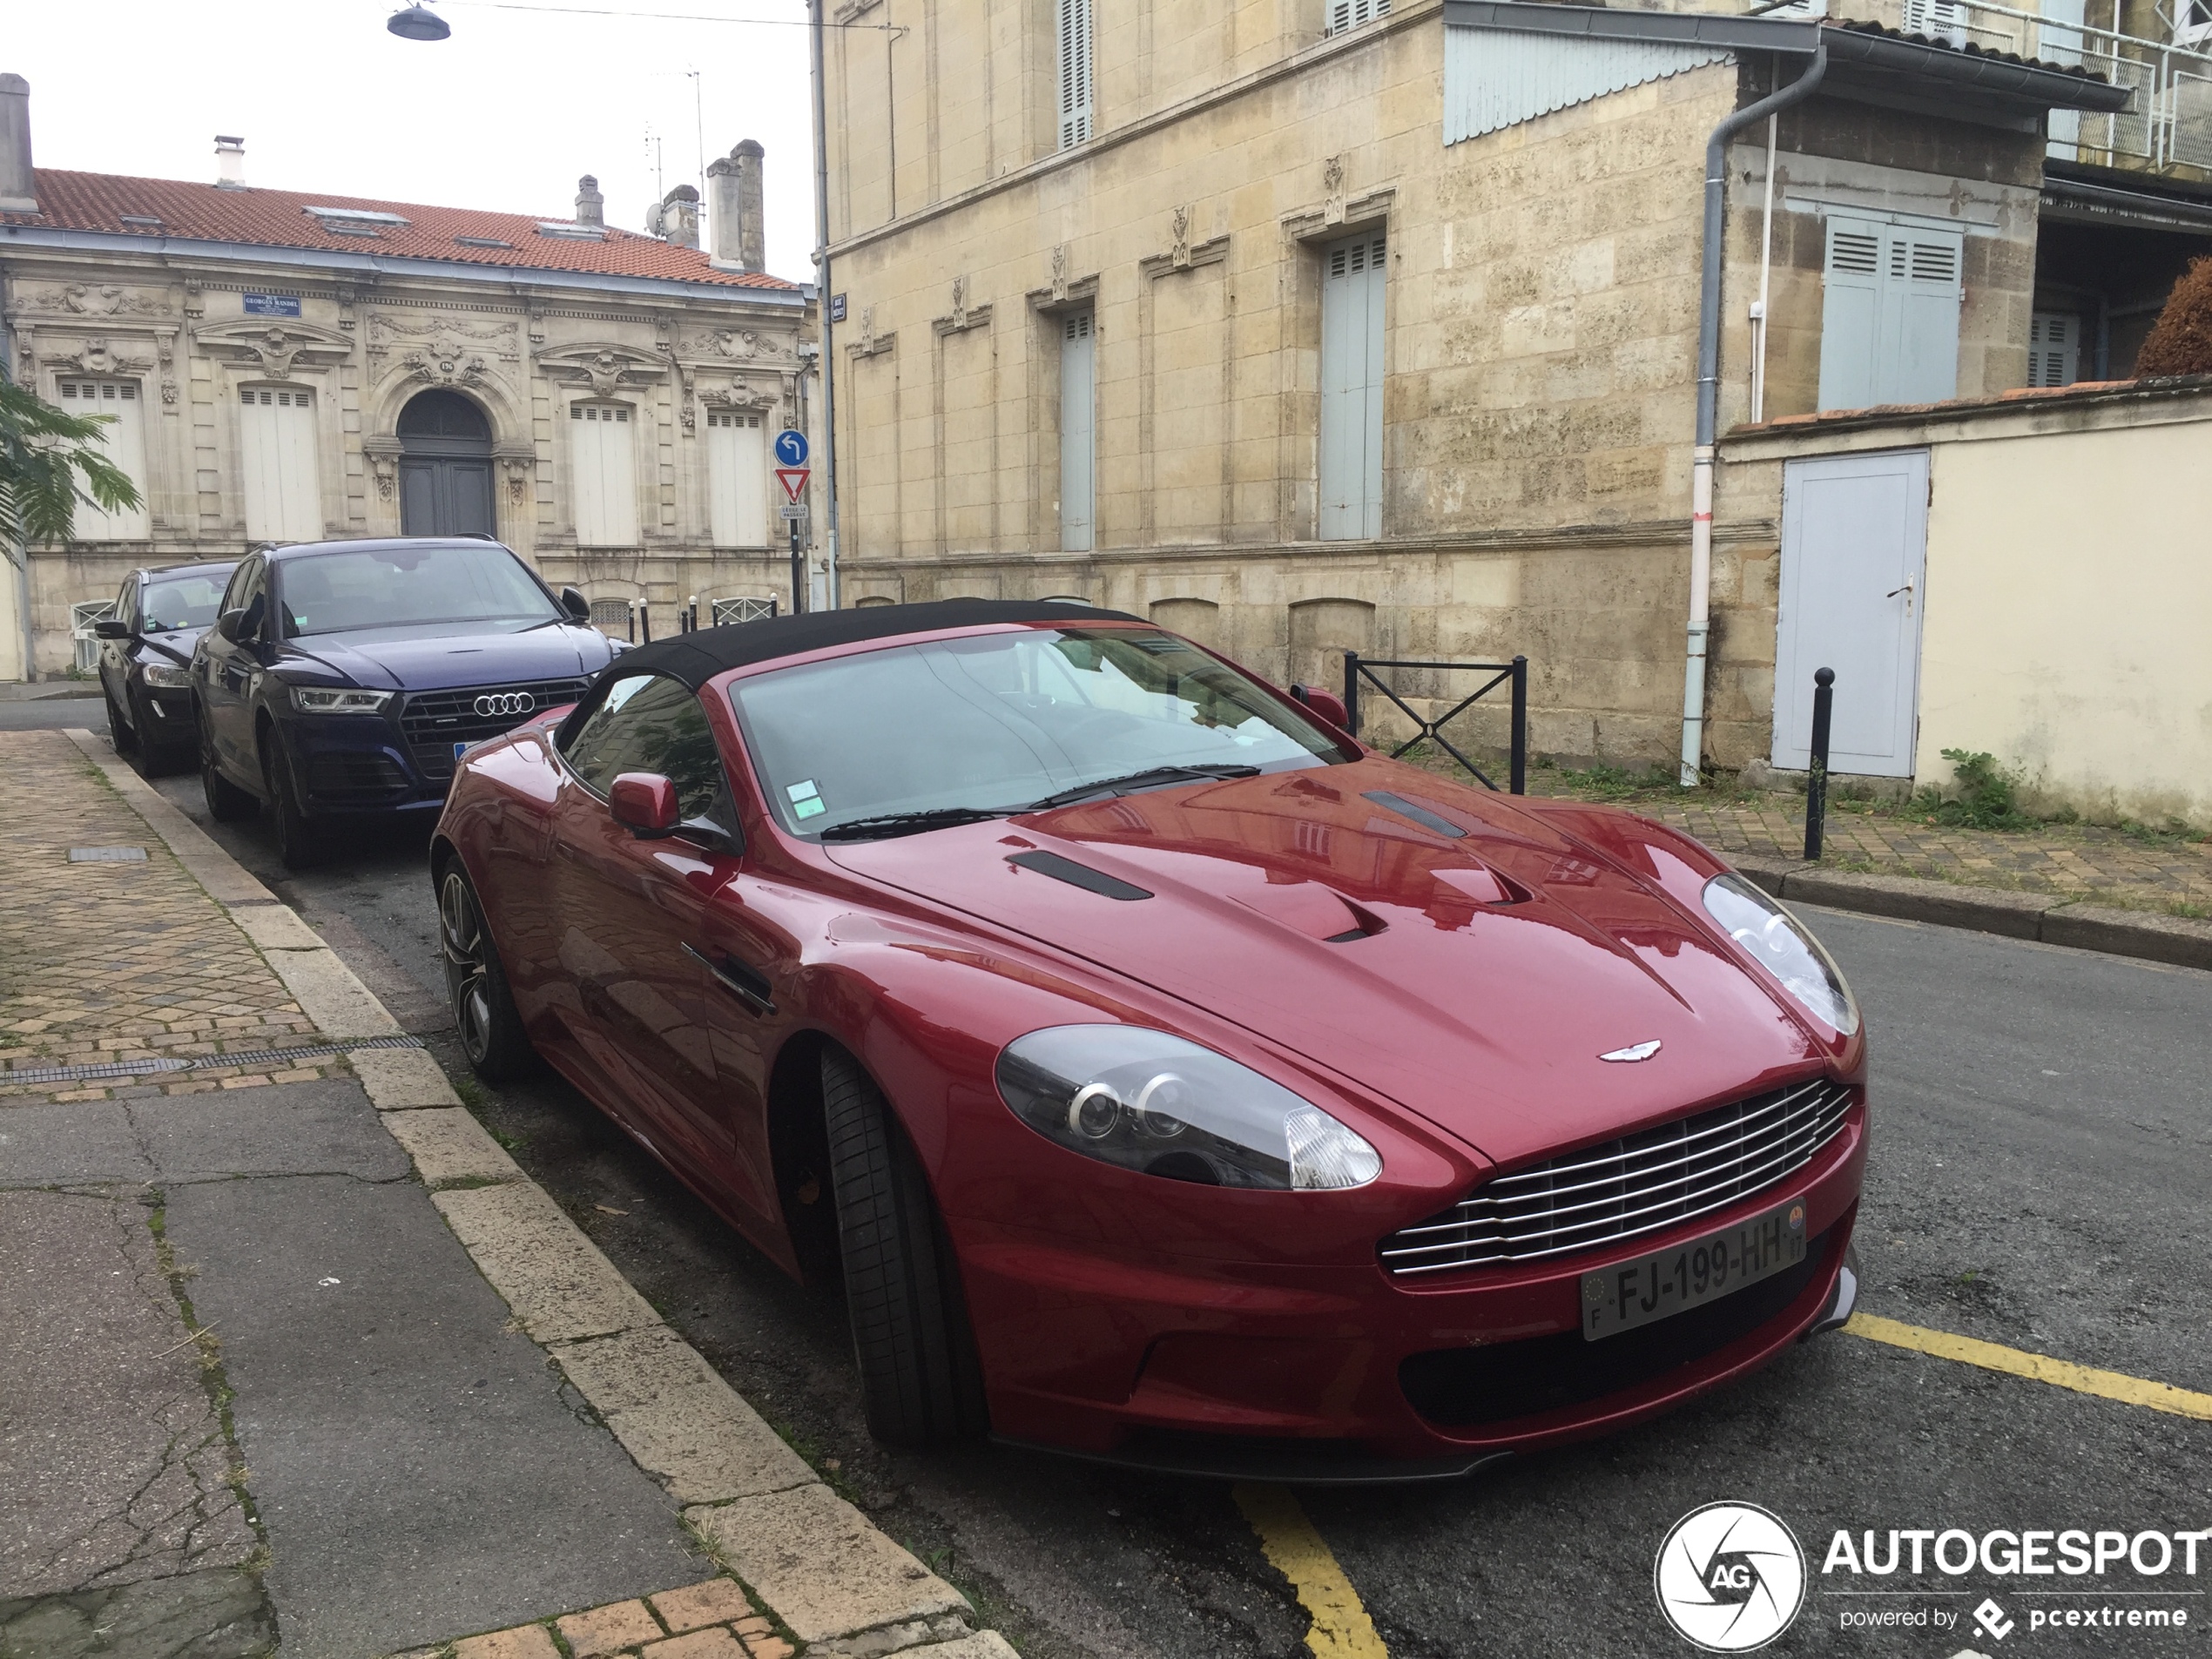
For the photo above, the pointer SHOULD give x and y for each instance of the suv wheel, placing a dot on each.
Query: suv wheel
(226, 802)
(298, 841)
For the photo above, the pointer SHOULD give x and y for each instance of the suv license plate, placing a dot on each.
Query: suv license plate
(1622, 1298)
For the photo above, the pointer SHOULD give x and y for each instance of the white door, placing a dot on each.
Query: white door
(277, 439)
(605, 475)
(1854, 549)
(1352, 390)
(1078, 427)
(736, 472)
(123, 441)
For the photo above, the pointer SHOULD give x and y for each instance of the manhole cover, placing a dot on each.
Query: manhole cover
(107, 855)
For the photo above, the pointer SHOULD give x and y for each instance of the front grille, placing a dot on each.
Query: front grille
(354, 777)
(1622, 1188)
(435, 721)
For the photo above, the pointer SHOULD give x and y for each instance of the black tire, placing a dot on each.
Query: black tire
(298, 840)
(483, 1007)
(147, 759)
(920, 1381)
(226, 802)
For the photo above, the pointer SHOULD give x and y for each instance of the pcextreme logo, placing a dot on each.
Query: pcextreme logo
(1729, 1577)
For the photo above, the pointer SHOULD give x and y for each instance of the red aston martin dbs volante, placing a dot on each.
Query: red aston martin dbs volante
(1171, 1078)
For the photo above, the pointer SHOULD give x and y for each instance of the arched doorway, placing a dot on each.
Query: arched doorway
(445, 467)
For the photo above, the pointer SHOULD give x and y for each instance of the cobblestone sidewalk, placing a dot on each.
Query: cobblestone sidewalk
(713, 1620)
(117, 960)
(2086, 863)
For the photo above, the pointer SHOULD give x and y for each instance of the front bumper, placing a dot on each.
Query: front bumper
(1345, 1373)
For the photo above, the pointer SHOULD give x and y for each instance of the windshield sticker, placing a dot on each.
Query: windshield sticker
(805, 799)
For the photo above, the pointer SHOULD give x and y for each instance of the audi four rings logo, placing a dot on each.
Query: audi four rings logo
(505, 703)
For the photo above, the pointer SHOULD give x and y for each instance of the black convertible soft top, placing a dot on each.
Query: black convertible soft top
(696, 657)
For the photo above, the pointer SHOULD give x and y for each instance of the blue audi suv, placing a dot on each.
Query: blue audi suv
(341, 680)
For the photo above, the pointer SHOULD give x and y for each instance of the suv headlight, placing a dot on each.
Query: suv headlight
(1782, 945)
(331, 700)
(1154, 1102)
(174, 675)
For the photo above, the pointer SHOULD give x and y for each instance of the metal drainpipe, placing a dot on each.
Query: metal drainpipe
(1708, 381)
(824, 363)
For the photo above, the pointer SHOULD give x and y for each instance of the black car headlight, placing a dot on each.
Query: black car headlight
(1781, 944)
(1157, 1103)
(336, 699)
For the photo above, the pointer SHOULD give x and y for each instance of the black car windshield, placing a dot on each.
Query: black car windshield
(185, 599)
(995, 722)
(405, 586)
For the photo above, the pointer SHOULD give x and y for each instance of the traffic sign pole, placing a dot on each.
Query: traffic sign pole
(798, 568)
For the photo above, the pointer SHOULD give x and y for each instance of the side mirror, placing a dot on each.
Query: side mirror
(645, 804)
(111, 628)
(576, 604)
(1327, 704)
(230, 623)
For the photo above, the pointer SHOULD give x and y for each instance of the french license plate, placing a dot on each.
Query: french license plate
(1622, 1298)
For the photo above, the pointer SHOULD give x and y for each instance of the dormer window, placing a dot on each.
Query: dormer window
(480, 241)
(569, 231)
(352, 221)
(142, 221)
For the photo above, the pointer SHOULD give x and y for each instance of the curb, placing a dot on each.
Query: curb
(826, 1571)
(2175, 941)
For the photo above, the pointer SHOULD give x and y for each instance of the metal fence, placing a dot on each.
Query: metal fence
(1515, 673)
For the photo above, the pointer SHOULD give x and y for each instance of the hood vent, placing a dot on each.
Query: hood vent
(1076, 875)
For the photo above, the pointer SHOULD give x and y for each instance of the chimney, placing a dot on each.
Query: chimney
(590, 205)
(675, 221)
(740, 240)
(230, 163)
(18, 188)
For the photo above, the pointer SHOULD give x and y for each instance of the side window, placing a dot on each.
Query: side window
(126, 604)
(652, 723)
(245, 594)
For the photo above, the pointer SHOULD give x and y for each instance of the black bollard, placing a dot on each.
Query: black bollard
(1823, 699)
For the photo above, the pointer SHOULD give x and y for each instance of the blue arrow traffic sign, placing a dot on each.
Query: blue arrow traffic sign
(791, 448)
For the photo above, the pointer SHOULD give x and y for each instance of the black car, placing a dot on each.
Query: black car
(146, 660)
(341, 680)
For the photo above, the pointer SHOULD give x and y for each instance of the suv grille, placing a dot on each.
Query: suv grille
(1621, 1189)
(435, 721)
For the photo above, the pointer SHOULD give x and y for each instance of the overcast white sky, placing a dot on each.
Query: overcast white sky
(504, 115)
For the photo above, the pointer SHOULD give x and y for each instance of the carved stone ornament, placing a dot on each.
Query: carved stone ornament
(446, 336)
(1179, 226)
(275, 349)
(383, 454)
(1333, 190)
(99, 299)
(739, 397)
(960, 302)
(97, 357)
(1060, 273)
(607, 369)
(520, 470)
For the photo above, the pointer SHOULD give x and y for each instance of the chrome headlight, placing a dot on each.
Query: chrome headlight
(1782, 945)
(174, 675)
(331, 700)
(1150, 1102)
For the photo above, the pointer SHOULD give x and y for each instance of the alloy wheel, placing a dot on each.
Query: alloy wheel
(462, 939)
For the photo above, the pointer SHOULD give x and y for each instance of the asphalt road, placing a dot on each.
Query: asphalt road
(2042, 1119)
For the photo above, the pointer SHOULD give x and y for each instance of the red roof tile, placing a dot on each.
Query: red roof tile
(98, 201)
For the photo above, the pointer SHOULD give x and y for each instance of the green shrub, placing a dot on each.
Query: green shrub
(1985, 799)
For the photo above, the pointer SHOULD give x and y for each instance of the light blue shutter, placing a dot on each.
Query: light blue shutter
(1075, 71)
(1889, 322)
(1078, 426)
(2054, 348)
(1850, 315)
(1352, 390)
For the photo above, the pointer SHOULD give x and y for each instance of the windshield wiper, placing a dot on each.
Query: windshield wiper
(1143, 780)
(883, 825)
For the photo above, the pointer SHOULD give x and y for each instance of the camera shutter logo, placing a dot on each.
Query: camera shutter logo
(1729, 1577)
(496, 703)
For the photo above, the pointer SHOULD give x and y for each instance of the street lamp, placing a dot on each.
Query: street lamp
(418, 21)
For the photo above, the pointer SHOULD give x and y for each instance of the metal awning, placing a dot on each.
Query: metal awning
(1867, 57)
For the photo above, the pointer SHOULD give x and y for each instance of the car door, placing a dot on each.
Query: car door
(115, 654)
(629, 912)
(227, 669)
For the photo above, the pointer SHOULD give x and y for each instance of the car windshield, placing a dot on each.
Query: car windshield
(996, 722)
(188, 599)
(409, 585)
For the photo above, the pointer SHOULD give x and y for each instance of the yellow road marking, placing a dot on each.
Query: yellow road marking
(2062, 1373)
(1341, 1627)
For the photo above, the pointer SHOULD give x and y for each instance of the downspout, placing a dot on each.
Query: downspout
(828, 358)
(1766, 268)
(1709, 379)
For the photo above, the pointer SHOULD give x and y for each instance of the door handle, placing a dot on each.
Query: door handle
(1893, 592)
(748, 984)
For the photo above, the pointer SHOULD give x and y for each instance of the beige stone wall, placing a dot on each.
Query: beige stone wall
(1541, 341)
(522, 354)
(2067, 591)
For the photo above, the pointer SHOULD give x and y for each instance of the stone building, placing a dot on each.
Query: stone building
(285, 366)
(1308, 325)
